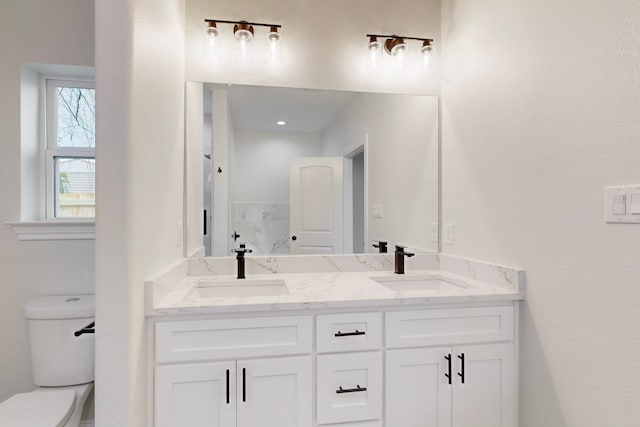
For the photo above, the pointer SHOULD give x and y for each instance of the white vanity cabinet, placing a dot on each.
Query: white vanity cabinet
(440, 366)
(192, 390)
(470, 382)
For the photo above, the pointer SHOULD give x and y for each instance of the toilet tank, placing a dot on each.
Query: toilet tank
(58, 358)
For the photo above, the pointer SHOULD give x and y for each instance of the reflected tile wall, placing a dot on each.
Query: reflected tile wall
(264, 227)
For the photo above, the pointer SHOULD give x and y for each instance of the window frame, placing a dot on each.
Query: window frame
(50, 148)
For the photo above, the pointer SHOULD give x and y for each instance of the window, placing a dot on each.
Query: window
(70, 142)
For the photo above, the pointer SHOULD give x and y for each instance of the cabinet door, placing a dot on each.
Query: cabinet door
(275, 392)
(487, 396)
(195, 395)
(418, 393)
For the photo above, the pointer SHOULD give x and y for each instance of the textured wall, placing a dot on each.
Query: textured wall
(541, 110)
(33, 31)
(140, 132)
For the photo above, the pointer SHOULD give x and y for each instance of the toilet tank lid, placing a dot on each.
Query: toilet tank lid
(61, 307)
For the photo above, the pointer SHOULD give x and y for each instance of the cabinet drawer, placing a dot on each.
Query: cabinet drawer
(349, 387)
(232, 338)
(348, 332)
(448, 326)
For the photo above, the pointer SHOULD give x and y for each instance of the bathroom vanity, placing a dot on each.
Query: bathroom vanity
(334, 340)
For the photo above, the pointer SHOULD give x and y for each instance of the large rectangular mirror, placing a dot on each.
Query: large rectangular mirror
(299, 171)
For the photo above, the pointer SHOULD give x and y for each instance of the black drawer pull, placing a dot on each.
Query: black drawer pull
(341, 390)
(448, 374)
(227, 386)
(244, 384)
(349, 334)
(461, 373)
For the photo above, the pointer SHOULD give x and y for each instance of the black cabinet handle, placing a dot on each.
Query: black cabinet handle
(294, 238)
(349, 334)
(341, 390)
(227, 386)
(244, 384)
(448, 374)
(461, 373)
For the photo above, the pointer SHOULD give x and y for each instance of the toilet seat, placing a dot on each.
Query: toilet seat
(41, 409)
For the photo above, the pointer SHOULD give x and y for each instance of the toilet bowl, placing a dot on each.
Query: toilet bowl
(62, 364)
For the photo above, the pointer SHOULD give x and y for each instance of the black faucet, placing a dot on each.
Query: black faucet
(381, 245)
(400, 254)
(240, 257)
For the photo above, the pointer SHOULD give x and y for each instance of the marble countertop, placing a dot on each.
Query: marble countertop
(188, 294)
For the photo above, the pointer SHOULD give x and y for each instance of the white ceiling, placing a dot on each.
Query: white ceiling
(258, 108)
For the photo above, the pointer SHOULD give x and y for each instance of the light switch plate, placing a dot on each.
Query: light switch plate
(619, 204)
(622, 204)
(448, 234)
(635, 204)
(376, 211)
(434, 232)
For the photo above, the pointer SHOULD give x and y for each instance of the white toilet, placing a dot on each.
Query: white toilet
(62, 363)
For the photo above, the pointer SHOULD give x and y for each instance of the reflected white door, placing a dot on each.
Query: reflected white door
(316, 197)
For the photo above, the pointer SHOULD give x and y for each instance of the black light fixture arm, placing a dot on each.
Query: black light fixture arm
(222, 21)
(394, 36)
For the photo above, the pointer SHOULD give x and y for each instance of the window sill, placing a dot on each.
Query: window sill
(54, 230)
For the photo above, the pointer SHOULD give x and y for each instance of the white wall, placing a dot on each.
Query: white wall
(33, 31)
(402, 133)
(262, 161)
(324, 43)
(140, 134)
(541, 110)
(194, 167)
(223, 142)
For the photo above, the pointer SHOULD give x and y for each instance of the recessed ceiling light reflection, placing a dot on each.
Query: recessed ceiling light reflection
(281, 123)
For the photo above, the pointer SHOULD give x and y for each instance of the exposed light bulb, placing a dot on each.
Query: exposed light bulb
(244, 36)
(274, 39)
(212, 31)
(374, 45)
(426, 50)
(281, 123)
(374, 51)
(243, 33)
(399, 49)
(274, 35)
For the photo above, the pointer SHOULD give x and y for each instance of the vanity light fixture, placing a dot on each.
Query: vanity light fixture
(397, 47)
(243, 33)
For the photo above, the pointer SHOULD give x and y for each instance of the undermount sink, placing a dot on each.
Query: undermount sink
(399, 283)
(239, 288)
